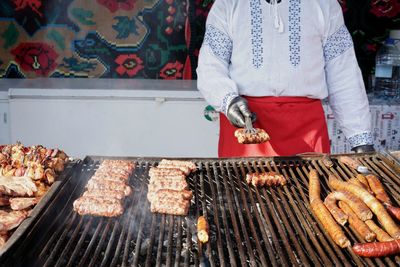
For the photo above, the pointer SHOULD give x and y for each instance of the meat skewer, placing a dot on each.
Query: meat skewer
(322, 213)
(259, 137)
(265, 178)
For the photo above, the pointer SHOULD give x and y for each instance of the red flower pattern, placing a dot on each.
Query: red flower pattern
(172, 71)
(130, 64)
(115, 5)
(385, 8)
(37, 57)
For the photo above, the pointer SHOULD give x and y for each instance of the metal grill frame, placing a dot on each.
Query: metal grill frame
(249, 226)
(17, 236)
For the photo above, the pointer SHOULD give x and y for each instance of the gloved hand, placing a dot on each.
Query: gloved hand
(237, 111)
(363, 149)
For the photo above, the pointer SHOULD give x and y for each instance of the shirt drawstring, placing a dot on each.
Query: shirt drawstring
(278, 22)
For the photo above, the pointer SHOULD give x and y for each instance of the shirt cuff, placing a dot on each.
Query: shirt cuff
(226, 101)
(360, 139)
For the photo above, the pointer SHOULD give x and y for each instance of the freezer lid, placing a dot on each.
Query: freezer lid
(104, 88)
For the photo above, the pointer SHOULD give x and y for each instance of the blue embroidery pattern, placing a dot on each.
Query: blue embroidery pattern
(294, 32)
(256, 33)
(364, 138)
(226, 101)
(219, 42)
(337, 43)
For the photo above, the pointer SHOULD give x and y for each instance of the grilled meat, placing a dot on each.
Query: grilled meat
(171, 201)
(265, 178)
(154, 186)
(17, 186)
(106, 190)
(160, 172)
(4, 201)
(179, 163)
(3, 238)
(184, 169)
(99, 193)
(101, 177)
(108, 185)
(22, 203)
(246, 138)
(169, 206)
(12, 219)
(98, 206)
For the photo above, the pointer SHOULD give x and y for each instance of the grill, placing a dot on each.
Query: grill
(248, 226)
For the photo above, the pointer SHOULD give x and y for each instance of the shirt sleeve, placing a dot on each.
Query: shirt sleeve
(213, 79)
(347, 95)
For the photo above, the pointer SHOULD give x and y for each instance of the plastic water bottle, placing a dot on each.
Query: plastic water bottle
(387, 72)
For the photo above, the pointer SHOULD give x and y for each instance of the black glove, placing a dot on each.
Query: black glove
(238, 109)
(363, 149)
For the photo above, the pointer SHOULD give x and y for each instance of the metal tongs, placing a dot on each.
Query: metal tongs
(249, 129)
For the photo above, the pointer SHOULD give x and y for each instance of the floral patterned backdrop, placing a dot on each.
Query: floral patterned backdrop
(157, 39)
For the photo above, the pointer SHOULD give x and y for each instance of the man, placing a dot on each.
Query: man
(278, 59)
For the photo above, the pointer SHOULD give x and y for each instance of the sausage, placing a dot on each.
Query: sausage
(350, 162)
(361, 178)
(359, 207)
(394, 211)
(183, 168)
(358, 225)
(356, 182)
(377, 188)
(202, 229)
(338, 214)
(322, 213)
(377, 249)
(326, 160)
(380, 234)
(178, 163)
(160, 173)
(377, 208)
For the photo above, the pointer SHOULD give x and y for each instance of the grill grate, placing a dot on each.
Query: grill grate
(249, 226)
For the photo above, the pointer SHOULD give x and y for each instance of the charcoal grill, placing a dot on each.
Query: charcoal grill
(248, 226)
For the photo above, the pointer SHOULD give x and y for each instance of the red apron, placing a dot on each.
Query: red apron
(295, 125)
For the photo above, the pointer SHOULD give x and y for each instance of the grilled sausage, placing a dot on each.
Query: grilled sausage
(202, 229)
(98, 206)
(377, 188)
(358, 225)
(377, 208)
(359, 207)
(322, 213)
(377, 249)
(380, 234)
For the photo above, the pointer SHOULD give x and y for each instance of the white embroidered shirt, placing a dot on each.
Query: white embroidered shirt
(291, 48)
